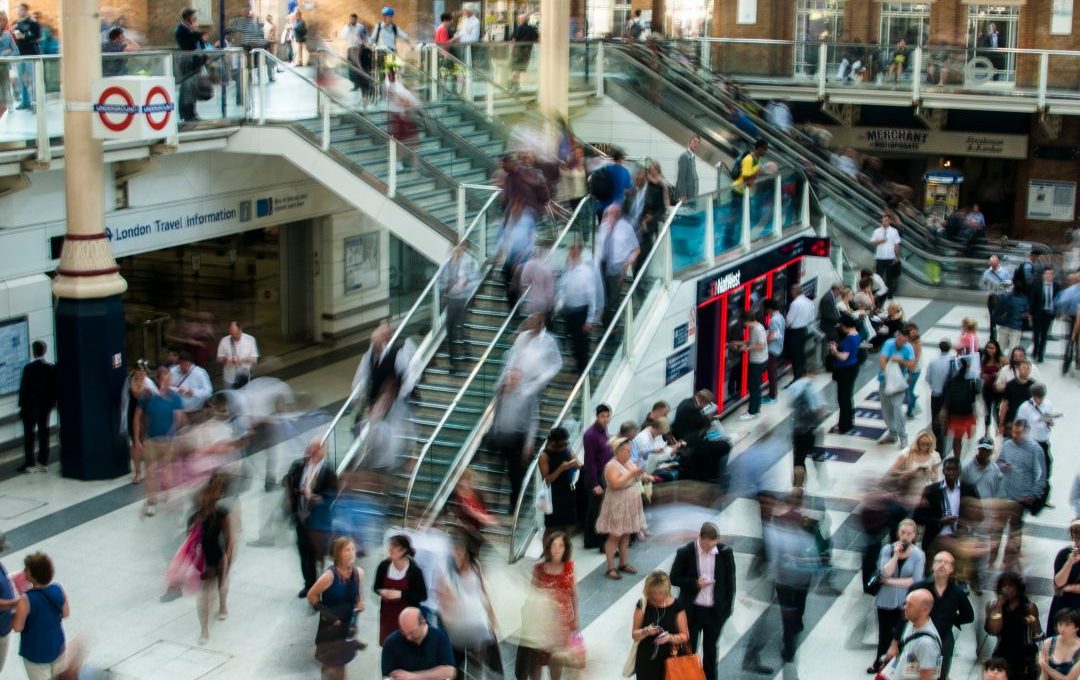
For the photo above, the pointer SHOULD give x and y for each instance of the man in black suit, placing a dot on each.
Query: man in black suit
(310, 488)
(829, 313)
(1041, 303)
(939, 510)
(704, 571)
(37, 397)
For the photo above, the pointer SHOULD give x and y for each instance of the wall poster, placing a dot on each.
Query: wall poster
(746, 12)
(1061, 17)
(1049, 200)
(361, 262)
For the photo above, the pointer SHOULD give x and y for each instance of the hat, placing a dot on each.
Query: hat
(388, 11)
(986, 443)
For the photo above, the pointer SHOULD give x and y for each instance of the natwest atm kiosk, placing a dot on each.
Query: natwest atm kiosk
(724, 295)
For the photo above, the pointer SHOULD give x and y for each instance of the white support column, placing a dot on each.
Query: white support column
(823, 69)
(261, 57)
(778, 207)
(1044, 75)
(44, 150)
(916, 75)
(628, 326)
(823, 226)
(746, 219)
(391, 175)
(436, 310)
(554, 84)
(710, 229)
(706, 54)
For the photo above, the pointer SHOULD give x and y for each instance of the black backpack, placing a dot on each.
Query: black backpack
(601, 183)
(959, 394)
(736, 166)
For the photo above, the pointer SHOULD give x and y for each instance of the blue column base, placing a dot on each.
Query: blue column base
(91, 368)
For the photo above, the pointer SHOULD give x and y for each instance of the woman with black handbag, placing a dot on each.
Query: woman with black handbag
(337, 596)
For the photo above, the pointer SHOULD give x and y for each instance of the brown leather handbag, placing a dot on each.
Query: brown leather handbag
(685, 667)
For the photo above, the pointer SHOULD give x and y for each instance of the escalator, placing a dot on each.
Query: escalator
(631, 78)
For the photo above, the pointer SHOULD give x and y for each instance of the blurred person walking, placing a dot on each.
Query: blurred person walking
(1023, 466)
(537, 284)
(1012, 308)
(37, 397)
(191, 382)
(915, 338)
(1066, 576)
(937, 376)
(592, 481)
(1014, 620)
(621, 513)
(355, 36)
(1041, 303)
(338, 597)
(658, 629)
(159, 415)
(39, 619)
(991, 361)
(619, 249)
(310, 487)
(525, 35)
(553, 579)
(467, 615)
(704, 572)
(457, 281)
(655, 208)
(27, 32)
(218, 543)
(399, 583)
(513, 429)
(581, 298)
(793, 560)
(961, 391)
(382, 364)
(557, 465)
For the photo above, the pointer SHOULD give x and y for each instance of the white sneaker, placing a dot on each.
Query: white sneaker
(748, 416)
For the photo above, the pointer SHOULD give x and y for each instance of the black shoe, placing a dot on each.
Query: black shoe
(302, 594)
(171, 594)
(269, 485)
(24, 468)
(754, 666)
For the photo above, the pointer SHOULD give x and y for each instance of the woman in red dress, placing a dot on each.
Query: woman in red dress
(554, 578)
(399, 583)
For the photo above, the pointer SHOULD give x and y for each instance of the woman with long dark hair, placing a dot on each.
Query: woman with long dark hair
(1014, 620)
(218, 546)
(990, 362)
(399, 583)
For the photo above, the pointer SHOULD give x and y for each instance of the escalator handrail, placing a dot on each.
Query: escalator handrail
(440, 491)
(433, 171)
(401, 325)
(578, 386)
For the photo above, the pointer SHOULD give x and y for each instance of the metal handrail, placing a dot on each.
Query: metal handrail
(664, 234)
(401, 325)
(465, 386)
(798, 43)
(434, 171)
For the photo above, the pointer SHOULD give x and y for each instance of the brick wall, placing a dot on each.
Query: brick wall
(775, 19)
(1037, 168)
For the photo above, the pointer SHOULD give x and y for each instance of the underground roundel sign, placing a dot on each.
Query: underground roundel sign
(133, 108)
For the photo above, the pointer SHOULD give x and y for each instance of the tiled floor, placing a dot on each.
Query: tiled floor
(111, 559)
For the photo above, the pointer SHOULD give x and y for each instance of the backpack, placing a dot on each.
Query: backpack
(601, 183)
(635, 30)
(959, 395)
(378, 31)
(735, 171)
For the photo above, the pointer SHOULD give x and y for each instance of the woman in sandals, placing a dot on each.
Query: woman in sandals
(621, 513)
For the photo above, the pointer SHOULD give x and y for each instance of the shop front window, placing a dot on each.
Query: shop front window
(909, 21)
(607, 17)
(992, 27)
(815, 21)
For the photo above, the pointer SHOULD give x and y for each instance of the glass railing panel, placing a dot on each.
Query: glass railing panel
(727, 221)
(689, 234)
(791, 194)
(583, 71)
(978, 71)
(19, 125)
(762, 204)
(208, 86)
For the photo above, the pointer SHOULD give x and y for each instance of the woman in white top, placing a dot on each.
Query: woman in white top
(466, 611)
(918, 466)
(1010, 370)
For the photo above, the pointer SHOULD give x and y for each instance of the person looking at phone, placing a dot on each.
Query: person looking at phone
(704, 571)
(1039, 414)
(1023, 467)
(1066, 576)
(659, 623)
(899, 564)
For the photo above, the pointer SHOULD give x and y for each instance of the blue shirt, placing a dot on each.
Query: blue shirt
(850, 344)
(7, 592)
(42, 638)
(776, 327)
(398, 654)
(889, 350)
(620, 180)
(160, 410)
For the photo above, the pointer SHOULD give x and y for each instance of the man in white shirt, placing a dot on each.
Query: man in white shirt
(191, 382)
(1039, 413)
(995, 280)
(886, 242)
(649, 448)
(581, 296)
(757, 348)
(237, 353)
(355, 36)
(801, 313)
(469, 32)
(618, 247)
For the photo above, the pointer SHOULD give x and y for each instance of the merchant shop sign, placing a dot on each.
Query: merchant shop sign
(931, 142)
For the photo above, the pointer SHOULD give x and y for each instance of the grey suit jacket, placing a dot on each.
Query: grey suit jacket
(686, 183)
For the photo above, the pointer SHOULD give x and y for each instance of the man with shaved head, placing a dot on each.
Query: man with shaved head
(416, 651)
(919, 656)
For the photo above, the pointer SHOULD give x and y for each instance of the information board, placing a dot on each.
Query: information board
(678, 364)
(14, 353)
(681, 335)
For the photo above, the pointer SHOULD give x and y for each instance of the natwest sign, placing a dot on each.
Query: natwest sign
(133, 108)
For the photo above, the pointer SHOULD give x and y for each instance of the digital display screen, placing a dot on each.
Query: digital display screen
(14, 353)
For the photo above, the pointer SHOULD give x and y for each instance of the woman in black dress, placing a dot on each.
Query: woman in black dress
(653, 213)
(338, 597)
(659, 623)
(557, 464)
(1066, 576)
(1014, 620)
(218, 545)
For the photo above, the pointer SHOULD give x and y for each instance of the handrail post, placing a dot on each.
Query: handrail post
(391, 175)
(823, 227)
(778, 207)
(326, 127)
(804, 216)
(586, 398)
(669, 273)
(167, 71)
(710, 229)
(746, 218)
(1044, 75)
(461, 210)
(44, 150)
(245, 85)
(436, 316)
(433, 69)
(916, 75)
(706, 54)
(838, 260)
(489, 93)
(261, 57)
(628, 322)
(823, 69)
(600, 69)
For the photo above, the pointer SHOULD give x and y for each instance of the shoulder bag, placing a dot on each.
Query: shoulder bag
(630, 665)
